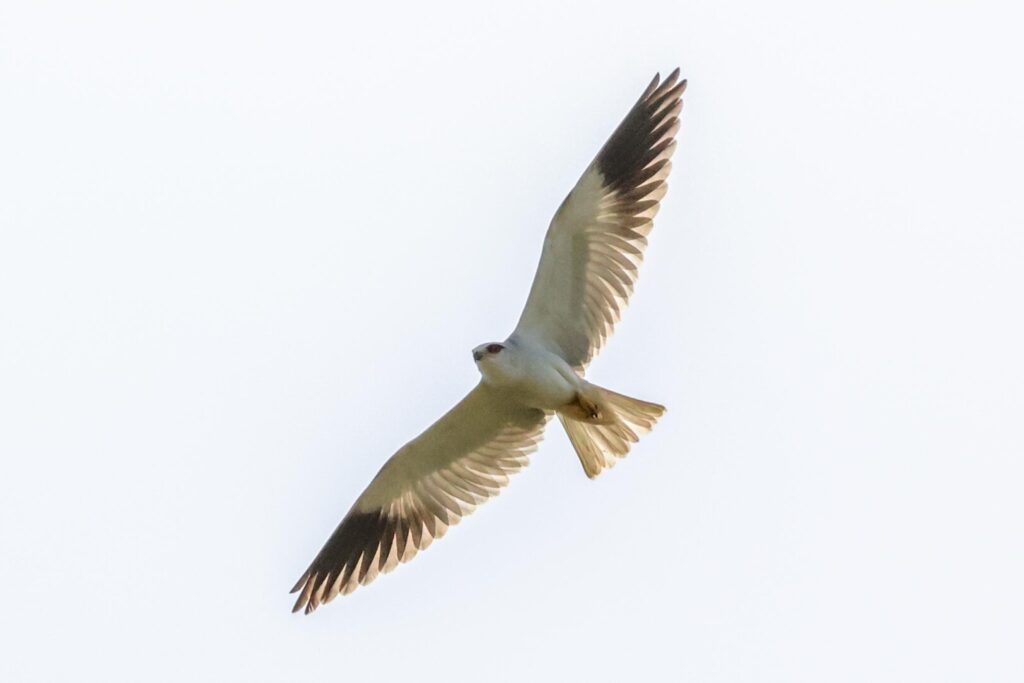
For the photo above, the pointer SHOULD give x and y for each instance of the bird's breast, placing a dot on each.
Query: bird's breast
(540, 380)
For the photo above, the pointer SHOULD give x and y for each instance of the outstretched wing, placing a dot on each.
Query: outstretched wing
(427, 486)
(596, 240)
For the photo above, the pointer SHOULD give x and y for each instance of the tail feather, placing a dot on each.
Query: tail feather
(621, 421)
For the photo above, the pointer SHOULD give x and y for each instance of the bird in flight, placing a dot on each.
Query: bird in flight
(588, 267)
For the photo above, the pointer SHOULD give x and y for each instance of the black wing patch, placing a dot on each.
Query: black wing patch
(625, 160)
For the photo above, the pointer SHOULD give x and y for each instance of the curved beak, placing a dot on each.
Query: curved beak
(477, 355)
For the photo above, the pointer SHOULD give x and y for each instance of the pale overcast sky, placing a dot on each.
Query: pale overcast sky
(246, 248)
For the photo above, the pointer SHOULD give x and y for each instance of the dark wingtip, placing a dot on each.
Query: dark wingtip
(358, 534)
(628, 152)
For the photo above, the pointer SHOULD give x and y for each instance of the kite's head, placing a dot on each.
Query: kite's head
(496, 363)
(487, 352)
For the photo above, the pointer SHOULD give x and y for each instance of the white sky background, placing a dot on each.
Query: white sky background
(245, 250)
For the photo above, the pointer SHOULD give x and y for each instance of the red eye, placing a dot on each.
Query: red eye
(494, 348)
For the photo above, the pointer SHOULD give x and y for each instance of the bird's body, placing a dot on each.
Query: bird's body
(529, 374)
(588, 267)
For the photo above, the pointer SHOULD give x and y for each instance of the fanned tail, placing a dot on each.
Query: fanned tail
(602, 426)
